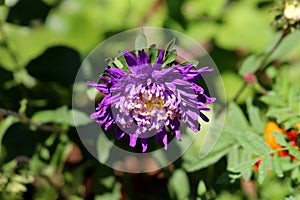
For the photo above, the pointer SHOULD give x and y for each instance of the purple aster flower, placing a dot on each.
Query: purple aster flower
(150, 99)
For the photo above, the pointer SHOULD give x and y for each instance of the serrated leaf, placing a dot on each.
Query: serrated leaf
(254, 116)
(286, 116)
(248, 173)
(292, 99)
(233, 157)
(141, 41)
(291, 123)
(280, 138)
(259, 143)
(273, 100)
(222, 147)
(251, 64)
(294, 151)
(236, 118)
(244, 166)
(247, 143)
(277, 165)
(179, 183)
(277, 111)
(262, 170)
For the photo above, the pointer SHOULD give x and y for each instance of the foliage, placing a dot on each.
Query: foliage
(42, 44)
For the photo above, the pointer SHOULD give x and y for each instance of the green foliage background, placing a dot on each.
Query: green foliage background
(42, 44)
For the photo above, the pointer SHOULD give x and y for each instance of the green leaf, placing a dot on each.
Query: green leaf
(273, 100)
(286, 46)
(201, 188)
(290, 198)
(170, 45)
(254, 116)
(115, 194)
(262, 170)
(277, 111)
(15, 187)
(222, 147)
(4, 125)
(252, 143)
(141, 41)
(286, 116)
(277, 165)
(103, 148)
(231, 35)
(237, 118)
(23, 179)
(153, 53)
(233, 157)
(247, 173)
(80, 118)
(233, 82)
(170, 57)
(259, 143)
(23, 106)
(294, 151)
(244, 166)
(62, 115)
(280, 138)
(291, 123)
(179, 183)
(118, 63)
(251, 64)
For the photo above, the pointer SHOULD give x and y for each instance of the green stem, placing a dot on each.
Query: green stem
(263, 64)
(28, 121)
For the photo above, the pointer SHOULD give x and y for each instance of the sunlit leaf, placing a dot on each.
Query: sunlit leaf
(141, 41)
(237, 118)
(277, 165)
(280, 138)
(201, 188)
(61, 115)
(244, 166)
(179, 183)
(262, 170)
(254, 116)
(250, 64)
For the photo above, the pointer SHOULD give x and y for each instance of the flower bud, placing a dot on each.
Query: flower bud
(292, 10)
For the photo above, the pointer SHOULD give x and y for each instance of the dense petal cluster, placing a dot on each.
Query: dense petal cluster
(150, 100)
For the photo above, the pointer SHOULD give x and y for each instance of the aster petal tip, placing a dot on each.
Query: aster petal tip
(144, 144)
(133, 139)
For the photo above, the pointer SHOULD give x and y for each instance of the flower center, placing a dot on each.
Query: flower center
(146, 108)
(149, 106)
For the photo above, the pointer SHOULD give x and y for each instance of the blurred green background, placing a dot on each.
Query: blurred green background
(42, 45)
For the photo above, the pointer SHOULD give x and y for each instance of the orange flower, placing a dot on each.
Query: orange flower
(270, 139)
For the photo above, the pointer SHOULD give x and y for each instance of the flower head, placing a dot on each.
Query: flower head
(292, 10)
(150, 98)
